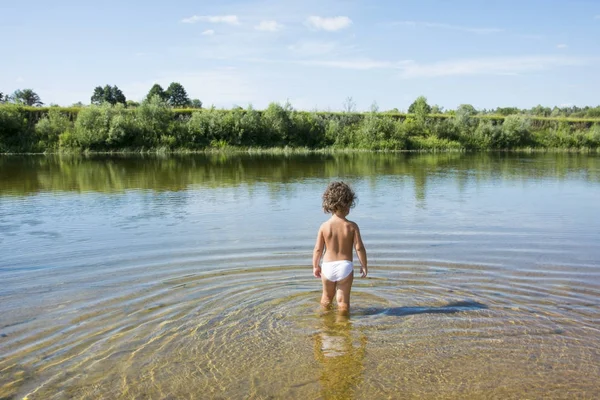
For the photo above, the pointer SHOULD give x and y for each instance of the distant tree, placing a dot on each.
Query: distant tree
(541, 111)
(108, 94)
(177, 96)
(507, 110)
(593, 112)
(196, 103)
(349, 105)
(157, 90)
(556, 112)
(466, 109)
(463, 116)
(3, 98)
(435, 109)
(420, 106)
(118, 95)
(98, 95)
(132, 104)
(374, 107)
(78, 104)
(27, 97)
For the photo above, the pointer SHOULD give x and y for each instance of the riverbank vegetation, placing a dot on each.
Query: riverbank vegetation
(155, 125)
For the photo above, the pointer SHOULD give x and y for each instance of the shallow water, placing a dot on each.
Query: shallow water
(189, 277)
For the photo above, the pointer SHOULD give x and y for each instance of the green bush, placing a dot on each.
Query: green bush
(153, 119)
(592, 137)
(514, 133)
(50, 127)
(122, 129)
(483, 137)
(380, 133)
(15, 135)
(308, 130)
(278, 124)
(92, 127)
(251, 128)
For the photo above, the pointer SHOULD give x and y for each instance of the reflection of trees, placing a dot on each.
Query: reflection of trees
(341, 354)
(102, 173)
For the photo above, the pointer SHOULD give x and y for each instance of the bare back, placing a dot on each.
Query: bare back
(339, 236)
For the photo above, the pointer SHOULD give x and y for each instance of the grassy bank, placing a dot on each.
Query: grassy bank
(154, 126)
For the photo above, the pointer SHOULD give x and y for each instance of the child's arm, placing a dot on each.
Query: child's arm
(361, 252)
(318, 253)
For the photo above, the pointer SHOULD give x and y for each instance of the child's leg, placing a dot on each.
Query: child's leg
(328, 292)
(343, 294)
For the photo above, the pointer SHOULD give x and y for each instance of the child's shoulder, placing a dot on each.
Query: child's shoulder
(352, 224)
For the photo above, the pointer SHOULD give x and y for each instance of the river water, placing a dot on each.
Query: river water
(167, 277)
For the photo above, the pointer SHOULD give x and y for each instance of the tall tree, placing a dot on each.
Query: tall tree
(157, 90)
(177, 95)
(27, 97)
(108, 94)
(118, 95)
(98, 95)
(420, 106)
(196, 103)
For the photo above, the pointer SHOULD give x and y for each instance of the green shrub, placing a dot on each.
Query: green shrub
(514, 133)
(92, 127)
(122, 129)
(380, 133)
(252, 128)
(592, 137)
(67, 140)
(308, 130)
(278, 124)
(15, 135)
(483, 137)
(50, 127)
(198, 133)
(153, 119)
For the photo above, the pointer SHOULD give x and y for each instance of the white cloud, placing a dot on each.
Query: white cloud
(328, 24)
(561, 46)
(215, 19)
(268, 26)
(481, 31)
(208, 32)
(488, 66)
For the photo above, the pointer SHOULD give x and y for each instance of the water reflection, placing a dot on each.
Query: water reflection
(340, 350)
(24, 175)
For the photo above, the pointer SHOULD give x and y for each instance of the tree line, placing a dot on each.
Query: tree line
(175, 95)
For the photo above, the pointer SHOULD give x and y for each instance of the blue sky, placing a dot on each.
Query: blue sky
(313, 53)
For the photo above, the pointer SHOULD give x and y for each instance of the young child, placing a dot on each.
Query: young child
(337, 236)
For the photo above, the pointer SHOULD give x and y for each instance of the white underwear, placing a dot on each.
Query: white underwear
(335, 271)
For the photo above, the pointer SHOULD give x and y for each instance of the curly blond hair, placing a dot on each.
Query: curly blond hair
(338, 196)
